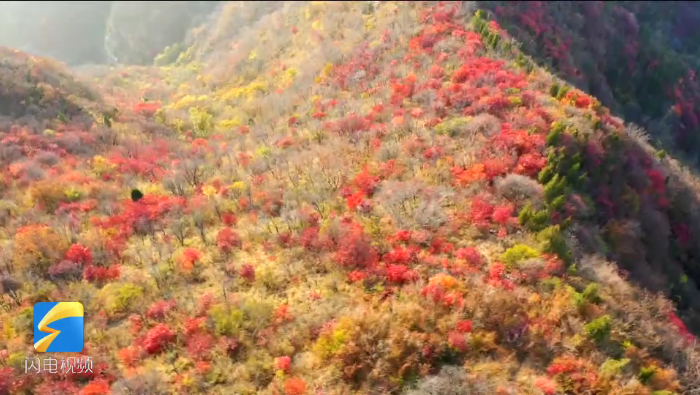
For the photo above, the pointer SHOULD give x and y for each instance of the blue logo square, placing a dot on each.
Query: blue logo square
(59, 327)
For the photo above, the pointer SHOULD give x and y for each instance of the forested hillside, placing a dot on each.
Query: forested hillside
(360, 198)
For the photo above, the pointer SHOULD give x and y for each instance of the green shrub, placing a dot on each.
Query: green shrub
(202, 122)
(554, 90)
(169, 55)
(599, 328)
(518, 253)
(646, 373)
(452, 127)
(555, 187)
(534, 220)
(121, 298)
(24, 321)
(613, 367)
(589, 295)
(226, 321)
(552, 241)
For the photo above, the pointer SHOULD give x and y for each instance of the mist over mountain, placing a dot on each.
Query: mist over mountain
(89, 32)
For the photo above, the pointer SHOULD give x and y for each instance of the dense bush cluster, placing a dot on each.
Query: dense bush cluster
(636, 57)
(351, 197)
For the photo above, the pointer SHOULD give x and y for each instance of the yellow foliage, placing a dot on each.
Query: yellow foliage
(239, 186)
(208, 191)
(101, 165)
(48, 193)
(248, 91)
(36, 247)
(289, 75)
(327, 69)
(328, 344)
(253, 54)
(370, 22)
(317, 25)
(186, 101)
(231, 123)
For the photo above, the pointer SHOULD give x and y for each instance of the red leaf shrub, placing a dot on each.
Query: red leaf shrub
(457, 340)
(146, 108)
(365, 182)
(284, 363)
(99, 275)
(159, 309)
(158, 338)
(247, 272)
(464, 326)
(199, 344)
(79, 254)
(96, 387)
(129, 355)
(189, 258)
(294, 386)
(355, 250)
(471, 255)
(227, 240)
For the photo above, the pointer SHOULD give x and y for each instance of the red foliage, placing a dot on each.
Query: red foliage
(436, 71)
(481, 212)
(457, 340)
(146, 108)
(471, 255)
(54, 387)
(7, 380)
(247, 272)
(355, 250)
(546, 385)
(531, 164)
(400, 274)
(294, 386)
(194, 325)
(401, 255)
(365, 182)
(464, 326)
(96, 387)
(357, 276)
(355, 200)
(284, 363)
(140, 214)
(159, 309)
(282, 314)
(98, 274)
(79, 254)
(497, 276)
(229, 219)
(682, 329)
(200, 344)
(227, 240)
(352, 123)
(189, 257)
(158, 338)
(503, 215)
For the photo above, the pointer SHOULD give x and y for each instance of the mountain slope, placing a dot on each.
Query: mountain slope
(637, 57)
(358, 198)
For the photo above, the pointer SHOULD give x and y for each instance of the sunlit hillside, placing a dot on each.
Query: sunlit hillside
(344, 198)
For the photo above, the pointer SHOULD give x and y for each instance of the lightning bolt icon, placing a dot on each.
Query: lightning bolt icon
(59, 311)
